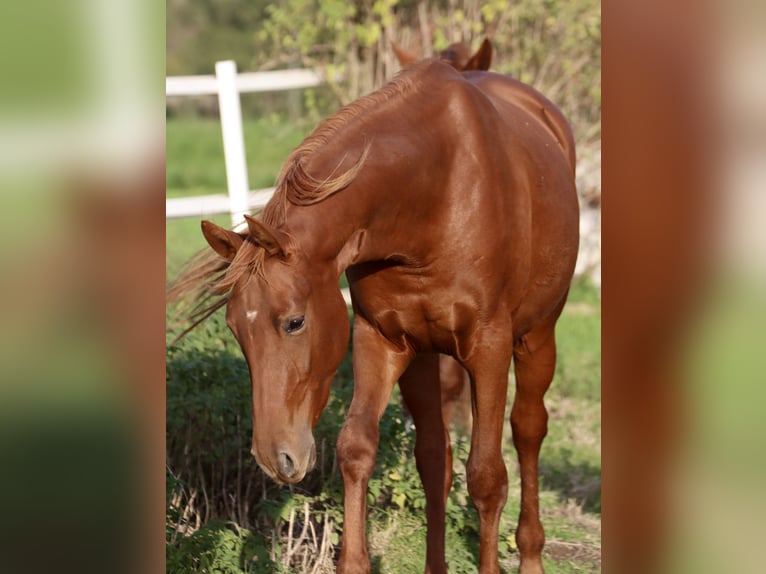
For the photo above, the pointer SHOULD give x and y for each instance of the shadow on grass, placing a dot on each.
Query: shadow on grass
(572, 480)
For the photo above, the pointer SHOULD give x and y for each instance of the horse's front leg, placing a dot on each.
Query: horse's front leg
(377, 366)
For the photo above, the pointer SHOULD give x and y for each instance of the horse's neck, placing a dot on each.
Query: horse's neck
(376, 215)
(355, 225)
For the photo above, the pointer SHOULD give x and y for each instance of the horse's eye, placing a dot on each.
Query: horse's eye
(294, 324)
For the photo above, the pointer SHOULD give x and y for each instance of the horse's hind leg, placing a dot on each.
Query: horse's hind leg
(456, 394)
(485, 470)
(420, 391)
(534, 362)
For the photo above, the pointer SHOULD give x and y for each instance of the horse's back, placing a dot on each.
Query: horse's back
(506, 90)
(538, 129)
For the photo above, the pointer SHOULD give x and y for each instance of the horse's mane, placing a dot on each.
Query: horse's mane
(299, 186)
(204, 284)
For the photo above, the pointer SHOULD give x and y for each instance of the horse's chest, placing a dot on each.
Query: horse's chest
(411, 310)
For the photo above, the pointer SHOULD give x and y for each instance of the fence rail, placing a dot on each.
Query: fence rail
(228, 85)
(211, 204)
(248, 82)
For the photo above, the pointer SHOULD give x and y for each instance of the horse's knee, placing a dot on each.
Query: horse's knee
(487, 484)
(529, 426)
(355, 450)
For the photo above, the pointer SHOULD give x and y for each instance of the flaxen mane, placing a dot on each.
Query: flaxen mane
(204, 284)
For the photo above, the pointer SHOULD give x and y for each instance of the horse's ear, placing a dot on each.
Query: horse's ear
(482, 59)
(223, 241)
(405, 58)
(265, 237)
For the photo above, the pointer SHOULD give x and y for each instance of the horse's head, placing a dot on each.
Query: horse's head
(292, 325)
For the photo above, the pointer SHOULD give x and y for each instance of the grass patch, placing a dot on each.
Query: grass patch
(195, 160)
(578, 341)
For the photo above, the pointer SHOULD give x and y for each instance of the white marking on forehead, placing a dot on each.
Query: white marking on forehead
(251, 315)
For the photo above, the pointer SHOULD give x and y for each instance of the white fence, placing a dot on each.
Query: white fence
(228, 85)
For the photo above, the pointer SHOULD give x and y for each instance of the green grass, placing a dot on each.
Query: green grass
(194, 150)
(208, 423)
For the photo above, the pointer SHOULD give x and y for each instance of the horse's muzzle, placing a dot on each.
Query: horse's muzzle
(288, 466)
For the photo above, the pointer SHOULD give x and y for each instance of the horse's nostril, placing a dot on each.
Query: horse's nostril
(286, 465)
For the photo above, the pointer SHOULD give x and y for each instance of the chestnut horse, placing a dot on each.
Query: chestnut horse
(453, 378)
(449, 200)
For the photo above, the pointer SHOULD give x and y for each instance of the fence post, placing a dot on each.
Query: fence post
(233, 139)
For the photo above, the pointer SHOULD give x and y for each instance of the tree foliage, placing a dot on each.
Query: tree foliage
(553, 45)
